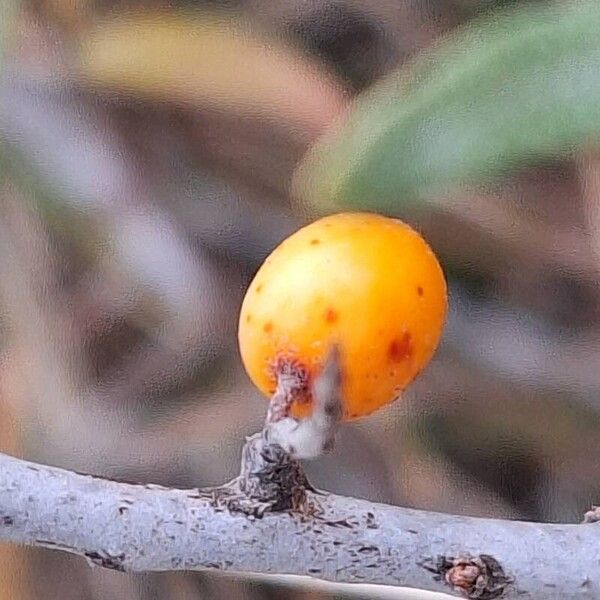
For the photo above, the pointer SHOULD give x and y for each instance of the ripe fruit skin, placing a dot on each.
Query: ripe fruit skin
(369, 284)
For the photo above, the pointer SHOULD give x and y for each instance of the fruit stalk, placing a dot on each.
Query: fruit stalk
(314, 434)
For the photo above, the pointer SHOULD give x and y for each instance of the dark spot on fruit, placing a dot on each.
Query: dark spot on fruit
(331, 315)
(259, 288)
(314, 242)
(420, 291)
(268, 327)
(400, 348)
(248, 318)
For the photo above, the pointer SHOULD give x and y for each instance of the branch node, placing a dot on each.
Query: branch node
(475, 577)
(270, 480)
(270, 475)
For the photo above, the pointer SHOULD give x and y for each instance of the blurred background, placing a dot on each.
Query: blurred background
(149, 155)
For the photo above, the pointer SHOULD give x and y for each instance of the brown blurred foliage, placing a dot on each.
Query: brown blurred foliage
(149, 151)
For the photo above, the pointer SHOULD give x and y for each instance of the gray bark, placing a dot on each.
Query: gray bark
(151, 528)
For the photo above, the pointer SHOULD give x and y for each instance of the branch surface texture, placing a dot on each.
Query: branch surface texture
(270, 520)
(150, 528)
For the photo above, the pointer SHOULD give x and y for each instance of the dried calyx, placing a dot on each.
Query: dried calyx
(313, 435)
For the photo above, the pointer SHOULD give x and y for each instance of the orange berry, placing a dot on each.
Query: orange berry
(365, 282)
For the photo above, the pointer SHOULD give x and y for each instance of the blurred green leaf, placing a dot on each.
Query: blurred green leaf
(498, 94)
